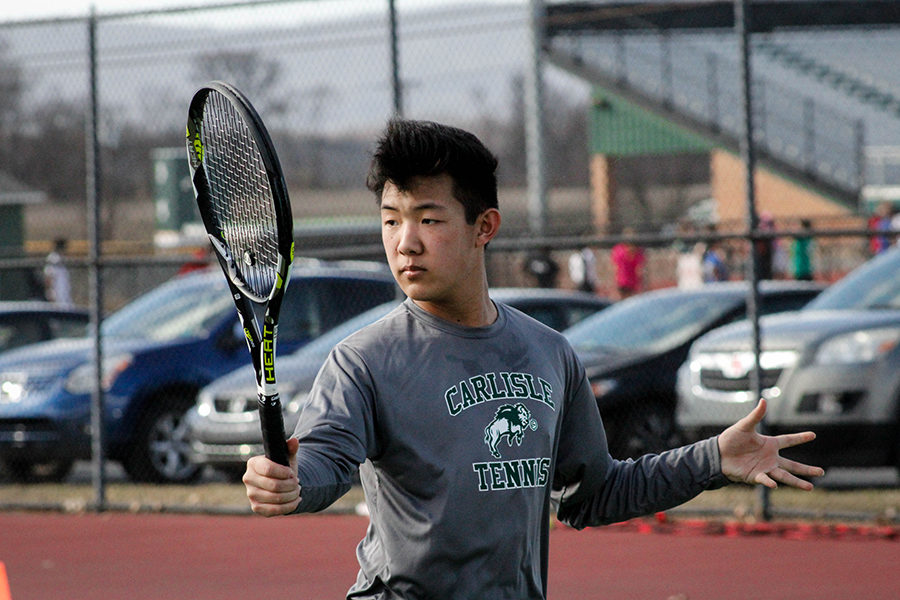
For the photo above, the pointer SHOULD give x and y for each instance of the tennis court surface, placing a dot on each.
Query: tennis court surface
(171, 556)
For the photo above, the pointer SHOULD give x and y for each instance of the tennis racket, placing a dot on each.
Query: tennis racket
(246, 211)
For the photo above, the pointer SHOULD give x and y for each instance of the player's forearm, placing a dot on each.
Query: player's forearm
(650, 484)
(323, 479)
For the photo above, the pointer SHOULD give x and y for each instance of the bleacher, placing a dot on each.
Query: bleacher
(822, 93)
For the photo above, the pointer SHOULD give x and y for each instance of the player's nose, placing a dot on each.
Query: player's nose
(409, 243)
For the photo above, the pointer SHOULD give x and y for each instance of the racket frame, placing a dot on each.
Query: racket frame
(258, 313)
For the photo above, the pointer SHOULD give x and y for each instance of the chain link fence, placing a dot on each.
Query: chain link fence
(640, 145)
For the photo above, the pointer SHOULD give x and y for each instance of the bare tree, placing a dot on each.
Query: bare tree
(565, 137)
(12, 86)
(246, 70)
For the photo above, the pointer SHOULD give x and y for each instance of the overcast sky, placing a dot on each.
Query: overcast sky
(14, 10)
(35, 9)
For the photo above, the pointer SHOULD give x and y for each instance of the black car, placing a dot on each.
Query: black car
(632, 352)
(27, 322)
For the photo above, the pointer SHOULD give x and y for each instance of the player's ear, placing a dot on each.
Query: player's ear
(488, 225)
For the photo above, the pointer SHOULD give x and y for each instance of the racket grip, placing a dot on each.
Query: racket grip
(272, 422)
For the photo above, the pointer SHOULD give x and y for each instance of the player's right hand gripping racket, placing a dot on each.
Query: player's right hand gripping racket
(245, 208)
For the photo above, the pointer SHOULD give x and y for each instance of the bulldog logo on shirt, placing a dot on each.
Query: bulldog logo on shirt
(510, 422)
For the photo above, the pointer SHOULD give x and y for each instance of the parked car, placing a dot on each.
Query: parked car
(224, 426)
(158, 351)
(833, 367)
(632, 352)
(27, 322)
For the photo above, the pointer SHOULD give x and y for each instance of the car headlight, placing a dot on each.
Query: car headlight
(81, 380)
(204, 403)
(12, 387)
(858, 347)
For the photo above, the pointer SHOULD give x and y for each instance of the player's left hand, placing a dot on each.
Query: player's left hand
(750, 457)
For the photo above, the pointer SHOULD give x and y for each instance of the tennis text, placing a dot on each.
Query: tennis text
(512, 474)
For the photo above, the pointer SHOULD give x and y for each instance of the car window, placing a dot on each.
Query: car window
(67, 326)
(24, 329)
(316, 305)
(345, 298)
(171, 311)
(575, 313)
(875, 284)
(775, 303)
(301, 313)
(318, 349)
(548, 315)
(651, 322)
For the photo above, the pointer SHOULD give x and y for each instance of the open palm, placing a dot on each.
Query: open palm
(750, 457)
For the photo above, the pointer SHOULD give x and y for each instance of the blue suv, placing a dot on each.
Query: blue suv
(158, 351)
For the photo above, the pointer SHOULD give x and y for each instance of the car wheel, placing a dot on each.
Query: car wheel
(161, 450)
(648, 430)
(25, 471)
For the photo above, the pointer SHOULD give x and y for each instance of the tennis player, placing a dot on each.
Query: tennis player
(467, 420)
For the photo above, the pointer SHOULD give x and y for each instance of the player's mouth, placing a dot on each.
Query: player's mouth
(412, 270)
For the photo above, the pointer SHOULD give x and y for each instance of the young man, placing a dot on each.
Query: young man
(465, 415)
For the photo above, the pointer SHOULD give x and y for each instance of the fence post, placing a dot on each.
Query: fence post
(534, 123)
(712, 91)
(395, 61)
(621, 67)
(668, 88)
(859, 130)
(742, 27)
(92, 180)
(809, 134)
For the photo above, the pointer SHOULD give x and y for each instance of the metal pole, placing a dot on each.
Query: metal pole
(742, 27)
(534, 123)
(395, 61)
(860, 134)
(92, 147)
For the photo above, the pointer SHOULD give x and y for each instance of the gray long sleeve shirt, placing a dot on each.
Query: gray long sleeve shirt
(462, 435)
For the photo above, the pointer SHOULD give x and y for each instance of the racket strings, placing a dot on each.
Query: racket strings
(240, 194)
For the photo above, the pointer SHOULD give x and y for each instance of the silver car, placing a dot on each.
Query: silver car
(833, 367)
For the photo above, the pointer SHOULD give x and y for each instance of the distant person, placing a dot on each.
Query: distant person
(57, 286)
(628, 262)
(714, 266)
(880, 222)
(689, 268)
(583, 270)
(540, 265)
(801, 253)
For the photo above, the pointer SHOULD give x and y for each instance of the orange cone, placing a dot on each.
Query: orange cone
(4, 584)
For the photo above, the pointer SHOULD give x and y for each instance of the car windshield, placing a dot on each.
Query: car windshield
(179, 309)
(650, 322)
(318, 349)
(876, 284)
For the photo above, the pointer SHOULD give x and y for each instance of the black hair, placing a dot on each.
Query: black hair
(408, 149)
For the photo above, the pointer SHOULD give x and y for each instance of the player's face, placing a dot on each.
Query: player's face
(436, 257)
